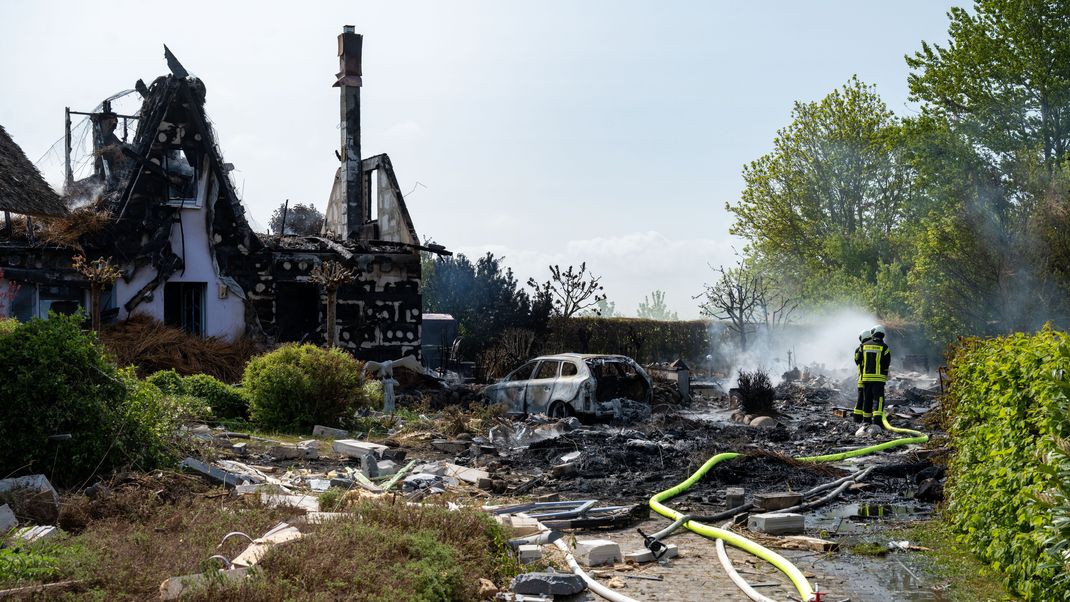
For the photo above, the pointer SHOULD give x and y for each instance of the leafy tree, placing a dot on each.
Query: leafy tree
(829, 197)
(653, 307)
(301, 220)
(1004, 80)
(572, 290)
(485, 298)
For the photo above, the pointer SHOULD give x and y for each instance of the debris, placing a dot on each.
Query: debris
(36, 534)
(326, 431)
(357, 449)
(397, 475)
(319, 485)
(279, 534)
(468, 475)
(563, 470)
(764, 422)
(906, 546)
(548, 582)
(226, 478)
(431, 482)
(7, 519)
(776, 523)
(596, 552)
(308, 503)
(528, 553)
(290, 452)
(734, 497)
(487, 589)
(776, 500)
(930, 490)
(645, 555)
(802, 542)
(522, 525)
(175, 587)
(31, 497)
(385, 468)
(28, 591)
(450, 447)
(569, 457)
(616, 583)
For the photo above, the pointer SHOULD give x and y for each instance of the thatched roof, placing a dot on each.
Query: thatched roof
(22, 189)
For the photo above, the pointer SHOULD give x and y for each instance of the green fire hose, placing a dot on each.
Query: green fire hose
(783, 564)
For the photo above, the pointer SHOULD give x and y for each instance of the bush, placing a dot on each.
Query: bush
(168, 381)
(226, 401)
(57, 380)
(756, 393)
(298, 386)
(1005, 414)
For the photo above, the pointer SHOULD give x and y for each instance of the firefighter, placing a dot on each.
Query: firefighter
(876, 358)
(863, 336)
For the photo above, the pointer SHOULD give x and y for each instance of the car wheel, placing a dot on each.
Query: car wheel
(559, 409)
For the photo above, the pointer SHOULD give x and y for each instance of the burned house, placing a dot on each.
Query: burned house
(169, 217)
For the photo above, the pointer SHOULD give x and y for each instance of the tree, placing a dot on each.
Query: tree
(485, 298)
(602, 309)
(301, 220)
(572, 290)
(829, 197)
(331, 275)
(653, 307)
(735, 297)
(1004, 81)
(101, 274)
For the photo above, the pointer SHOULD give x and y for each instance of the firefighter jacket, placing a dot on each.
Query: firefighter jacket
(858, 360)
(875, 360)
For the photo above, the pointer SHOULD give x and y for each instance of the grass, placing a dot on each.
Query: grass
(384, 551)
(968, 579)
(152, 527)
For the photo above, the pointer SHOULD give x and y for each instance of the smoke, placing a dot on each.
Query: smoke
(824, 343)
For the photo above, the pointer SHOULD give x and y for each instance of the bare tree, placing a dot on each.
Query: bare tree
(331, 275)
(101, 274)
(735, 297)
(572, 290)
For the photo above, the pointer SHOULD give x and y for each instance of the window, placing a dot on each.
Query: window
(521, 373)
(547, 370)
(183, 306)
(60, 299)
(569, 369)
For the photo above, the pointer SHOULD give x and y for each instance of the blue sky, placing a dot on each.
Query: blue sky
(550, 131)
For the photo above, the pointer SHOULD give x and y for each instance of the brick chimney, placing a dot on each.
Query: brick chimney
(357, 209)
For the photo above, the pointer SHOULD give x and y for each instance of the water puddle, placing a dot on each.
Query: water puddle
(858, 518)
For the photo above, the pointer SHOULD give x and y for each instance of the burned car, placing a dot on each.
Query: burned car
(570, 383)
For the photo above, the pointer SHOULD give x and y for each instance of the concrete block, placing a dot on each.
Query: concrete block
(468, 475)
(776, 523)
(290, 452)
(175, 587)
(31, 497)
(524, 525)
(369, 466)
(777, 500)
(332, 433)
(549, 582)
(308, 503)
(357, 449)
(450, 446)
(734, 497)
(386, 467)
(240, 449)
(7, 520)
(596, 552)
(645, 555)
(529, 553)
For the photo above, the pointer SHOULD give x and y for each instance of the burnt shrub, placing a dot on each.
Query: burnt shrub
(298, 386)
(56, 379)
(756, 393)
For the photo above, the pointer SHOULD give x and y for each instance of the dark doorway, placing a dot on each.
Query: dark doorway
(297, 310)
(183, 306)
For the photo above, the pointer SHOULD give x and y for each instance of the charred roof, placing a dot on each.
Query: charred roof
(22, 188)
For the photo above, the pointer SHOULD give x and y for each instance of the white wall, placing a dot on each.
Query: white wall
(223, 318)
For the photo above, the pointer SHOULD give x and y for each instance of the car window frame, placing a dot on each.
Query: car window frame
(557, 371)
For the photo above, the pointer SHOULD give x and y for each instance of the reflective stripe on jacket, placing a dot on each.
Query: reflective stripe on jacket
(876, 359)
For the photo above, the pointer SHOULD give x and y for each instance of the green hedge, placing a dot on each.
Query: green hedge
(1006, 416)
(643, 340)
(226, 401)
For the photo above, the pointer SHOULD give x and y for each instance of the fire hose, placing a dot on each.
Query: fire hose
(802, 585)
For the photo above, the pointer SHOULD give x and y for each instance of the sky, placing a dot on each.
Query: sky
(547, 132)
